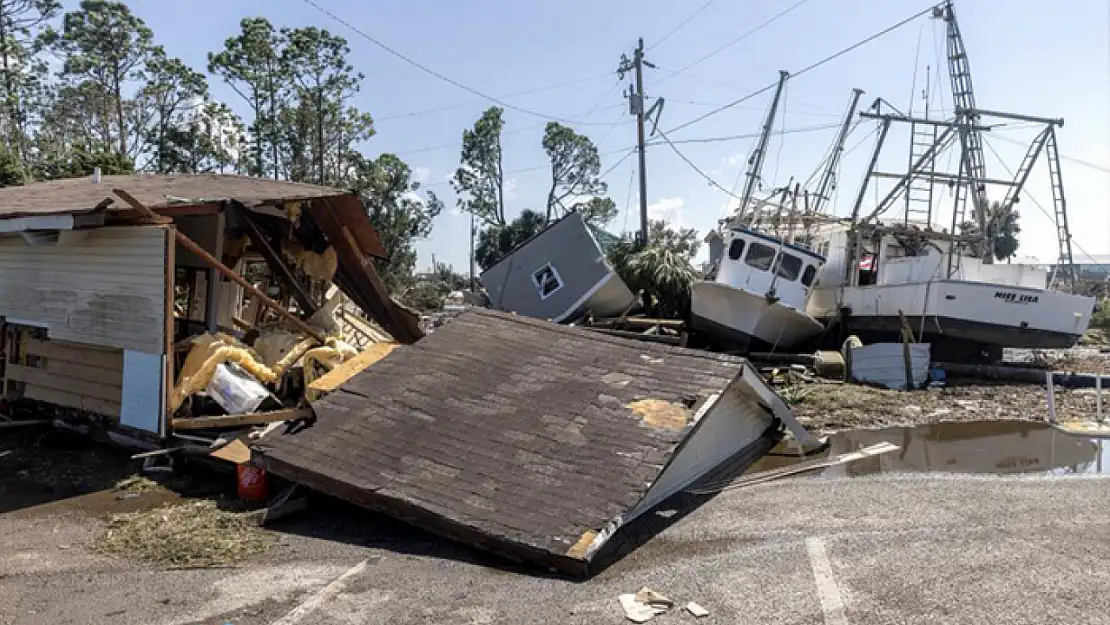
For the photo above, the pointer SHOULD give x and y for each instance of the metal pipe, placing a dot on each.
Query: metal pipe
(978, 112)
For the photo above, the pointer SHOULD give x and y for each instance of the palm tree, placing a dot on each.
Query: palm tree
(1002, 229)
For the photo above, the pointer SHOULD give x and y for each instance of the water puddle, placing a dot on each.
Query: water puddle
(986, 447)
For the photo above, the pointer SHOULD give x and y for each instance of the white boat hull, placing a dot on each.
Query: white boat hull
(990, 314)
(739, 316)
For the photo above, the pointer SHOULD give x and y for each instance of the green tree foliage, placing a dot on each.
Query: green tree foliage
(19, 22)
(11, 169)
(251, 65)
(575, 165)
(1002, 230)
(480, 178)
(170, 96)
(494, 242)
(105, 46)
(400, 216)
(662, 269)
(322, 82)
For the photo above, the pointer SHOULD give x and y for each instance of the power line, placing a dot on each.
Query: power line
(460, 105)
(701, 173)
(546, 165)
(1078, 161)
(681, 24)
(744, 36)
(444, 78)
(628, 196)
(784, 131)
(802, 71)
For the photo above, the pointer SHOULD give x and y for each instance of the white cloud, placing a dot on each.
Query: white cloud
(669, 209)
(510, 189)
(734, 160)
(412, 196)
(421, 174)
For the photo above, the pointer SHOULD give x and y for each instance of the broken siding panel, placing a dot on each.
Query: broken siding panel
(107, 289)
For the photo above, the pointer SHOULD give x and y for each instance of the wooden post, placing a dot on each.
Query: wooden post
(1051, 397)
(203, 254)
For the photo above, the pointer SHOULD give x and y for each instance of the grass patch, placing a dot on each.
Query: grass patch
(197, 533)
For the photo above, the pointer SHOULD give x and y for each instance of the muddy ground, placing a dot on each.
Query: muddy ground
(829, 406)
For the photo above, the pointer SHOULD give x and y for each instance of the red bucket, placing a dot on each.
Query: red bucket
(251, 482)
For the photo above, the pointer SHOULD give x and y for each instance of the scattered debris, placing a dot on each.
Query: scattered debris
(644, 605)
(196, 533)
(696, 610)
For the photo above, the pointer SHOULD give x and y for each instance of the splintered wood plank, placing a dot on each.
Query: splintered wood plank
(345, 371)
(44, 379)
(236, 420)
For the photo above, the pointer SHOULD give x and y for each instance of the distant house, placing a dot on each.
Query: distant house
(559, 274)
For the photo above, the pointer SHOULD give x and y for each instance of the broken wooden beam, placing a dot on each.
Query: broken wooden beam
(274, 261)
(229, 273)
(236, 420)
(347, 370)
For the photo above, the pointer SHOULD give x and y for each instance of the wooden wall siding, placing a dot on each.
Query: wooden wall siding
(70, 375)
(106, 290)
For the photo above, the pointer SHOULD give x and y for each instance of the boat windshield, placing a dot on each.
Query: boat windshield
(760, 256)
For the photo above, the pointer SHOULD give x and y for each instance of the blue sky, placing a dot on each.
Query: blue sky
(1034, 57)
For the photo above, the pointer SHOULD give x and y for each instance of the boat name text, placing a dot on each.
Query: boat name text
(1014, 298)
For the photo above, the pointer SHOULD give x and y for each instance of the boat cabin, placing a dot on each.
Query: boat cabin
(896, 256)
(761, 264)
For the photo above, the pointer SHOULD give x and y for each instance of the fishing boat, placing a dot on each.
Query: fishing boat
(883, 274)
(927, 279)
(759, 294)
(763, 268)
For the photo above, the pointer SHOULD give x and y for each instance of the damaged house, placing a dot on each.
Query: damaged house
(106, 282)
(558, 274)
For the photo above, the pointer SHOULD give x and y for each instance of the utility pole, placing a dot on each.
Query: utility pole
(636, 106)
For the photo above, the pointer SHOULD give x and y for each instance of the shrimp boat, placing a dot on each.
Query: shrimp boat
(883, 272)
(762, 274)
(759, 294)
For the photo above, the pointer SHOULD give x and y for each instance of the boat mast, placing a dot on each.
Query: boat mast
(755, 163)
(826, 184)
(971, 142)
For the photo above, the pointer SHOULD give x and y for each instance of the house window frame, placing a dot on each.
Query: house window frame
(539, 285)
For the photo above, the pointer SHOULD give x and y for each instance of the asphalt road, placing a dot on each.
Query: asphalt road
(884, 549)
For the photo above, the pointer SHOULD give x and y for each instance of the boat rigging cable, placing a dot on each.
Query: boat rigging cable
(808, 68)
(1032, 199)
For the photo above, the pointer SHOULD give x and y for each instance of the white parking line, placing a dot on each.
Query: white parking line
(832, 603)
(325, 594)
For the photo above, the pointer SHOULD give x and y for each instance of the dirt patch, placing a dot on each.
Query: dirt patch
(828, 406)
(195, 533)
